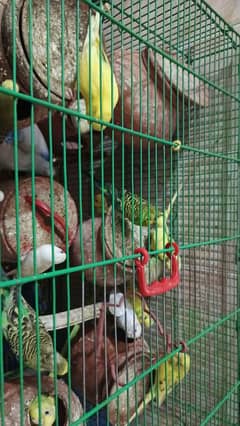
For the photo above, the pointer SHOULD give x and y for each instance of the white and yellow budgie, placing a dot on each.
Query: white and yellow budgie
(48, 410)
(98, 85)
(140, 307)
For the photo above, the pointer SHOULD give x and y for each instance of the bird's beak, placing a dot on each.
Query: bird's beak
(34, 421)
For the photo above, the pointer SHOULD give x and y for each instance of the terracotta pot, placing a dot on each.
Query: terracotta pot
(151, 87)
(89, 357)
(39, 47)
(104, 276)
(12, 401)
(43, 223)
(109, 275)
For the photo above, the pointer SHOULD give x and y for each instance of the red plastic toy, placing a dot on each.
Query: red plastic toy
(157, 287)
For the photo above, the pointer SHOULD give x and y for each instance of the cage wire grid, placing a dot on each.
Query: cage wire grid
(198, 49)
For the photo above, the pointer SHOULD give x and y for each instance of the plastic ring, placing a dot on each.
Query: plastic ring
(176, 249)
(145, 256)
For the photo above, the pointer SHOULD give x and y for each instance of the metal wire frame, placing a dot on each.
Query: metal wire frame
(206, 223)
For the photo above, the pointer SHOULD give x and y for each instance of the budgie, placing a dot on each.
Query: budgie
(43, 260)
(24, 141)
(166, 377)
(133, 206)
(140, 307)
(143, 212)
(7, 108)
(169, 374)
(10, 323)
(48, 410)
(126, 318)
(103, 97)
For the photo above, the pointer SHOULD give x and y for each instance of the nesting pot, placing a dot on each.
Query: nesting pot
(125, 360)
(37, 27)
(12, 402)
(152, 88)
(109, 245)
(43, 217)
(102, 276)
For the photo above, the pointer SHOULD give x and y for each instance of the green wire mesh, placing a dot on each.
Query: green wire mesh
(199, 84)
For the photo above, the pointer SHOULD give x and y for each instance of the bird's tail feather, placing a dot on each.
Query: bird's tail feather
(170, 206)
(95, 26)
(93, 31)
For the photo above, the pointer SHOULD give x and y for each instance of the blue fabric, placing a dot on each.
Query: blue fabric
(99, 419)
(9, 138)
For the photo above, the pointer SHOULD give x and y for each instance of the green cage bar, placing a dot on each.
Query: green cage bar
(119, 146)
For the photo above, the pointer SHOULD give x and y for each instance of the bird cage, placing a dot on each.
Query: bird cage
(119, 214)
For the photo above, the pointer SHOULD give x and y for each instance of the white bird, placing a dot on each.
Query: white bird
(24, 141)
(44, 260)
(126, 318)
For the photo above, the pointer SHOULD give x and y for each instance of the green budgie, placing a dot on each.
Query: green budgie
(142, 212)
(48, 410)
(133, 206)
(11, 321)
(159, 234)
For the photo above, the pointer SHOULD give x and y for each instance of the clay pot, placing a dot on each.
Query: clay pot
(124, 361)
(39, 47)
(12, 402)
(109, 275)
(104, 276)
(151, 87)
(43, 221)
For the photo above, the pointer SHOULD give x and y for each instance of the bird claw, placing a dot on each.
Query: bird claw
(70, 96)
(184, 346)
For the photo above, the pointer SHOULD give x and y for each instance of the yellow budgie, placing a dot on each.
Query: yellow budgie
(169, 374)
(6, 108)
(166, 377)
(140, 308)
(48, 410)
(103, 97)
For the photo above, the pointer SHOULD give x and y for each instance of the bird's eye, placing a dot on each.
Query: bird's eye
(47, 412)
